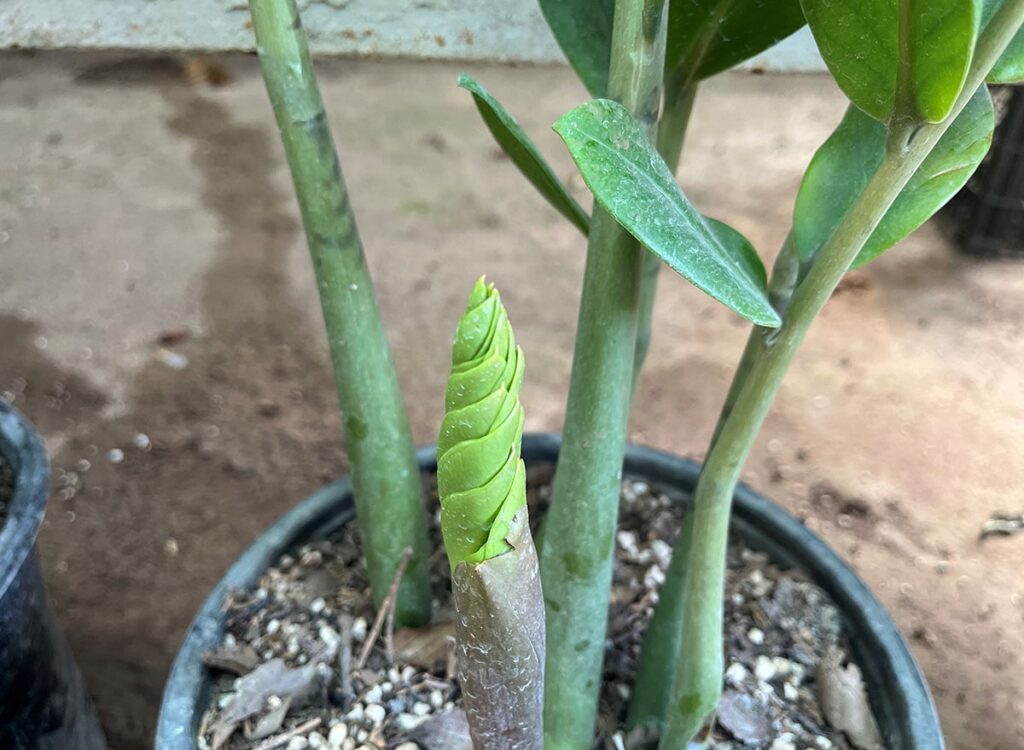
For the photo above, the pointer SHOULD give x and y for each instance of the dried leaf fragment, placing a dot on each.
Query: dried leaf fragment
(424, 647)
(447, 731)
(845, 702)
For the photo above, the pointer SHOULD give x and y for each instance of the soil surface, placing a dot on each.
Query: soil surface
(301, 667)
(159, 324)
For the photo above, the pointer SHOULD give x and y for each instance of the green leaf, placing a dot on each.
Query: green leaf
(739, 247)
(633, 183)
(852, 154)
(1010, 67)
(859, 42)
(583, 29)
(941, 43)
(747, 28)
(861, 45)
(524, 154)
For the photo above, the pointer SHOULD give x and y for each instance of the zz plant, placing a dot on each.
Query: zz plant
(920, 121)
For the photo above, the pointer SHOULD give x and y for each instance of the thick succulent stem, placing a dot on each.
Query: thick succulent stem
(576, 557)
(698, 680)
(495, 575)
(385, 475)
(665, 632)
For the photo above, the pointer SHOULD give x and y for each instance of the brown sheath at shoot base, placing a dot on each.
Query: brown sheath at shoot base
(500, 640)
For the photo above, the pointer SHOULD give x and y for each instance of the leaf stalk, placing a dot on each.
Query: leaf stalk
(698, 681)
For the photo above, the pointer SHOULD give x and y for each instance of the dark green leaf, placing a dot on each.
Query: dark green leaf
(861, 44)
(1010, 68)
(583, 29)
(520, 149)
(741, 250)
(941, 43)
(633, 183)
(697, 37)
(851, 156)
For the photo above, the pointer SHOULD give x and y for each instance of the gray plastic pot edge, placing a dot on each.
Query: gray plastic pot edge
(43, 702)
(900, 697)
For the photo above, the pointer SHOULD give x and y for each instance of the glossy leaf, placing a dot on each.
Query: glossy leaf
(941, 42)
(1010, 67)
(861, 44)
(524, 154)
(747, 28)
(583, 29)
(849, 158)
(739, 247)
(633, 183)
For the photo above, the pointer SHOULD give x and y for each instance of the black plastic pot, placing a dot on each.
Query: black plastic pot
(902, 703)
(43, 704)
(988, 214)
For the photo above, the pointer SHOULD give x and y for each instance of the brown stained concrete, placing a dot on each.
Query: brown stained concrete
(132, 203)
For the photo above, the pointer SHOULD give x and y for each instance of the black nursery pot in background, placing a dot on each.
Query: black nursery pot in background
(899, 696)
(989, 211)
(43, 703)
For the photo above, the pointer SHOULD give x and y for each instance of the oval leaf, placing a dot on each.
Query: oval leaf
(861, 44)
(583, 29)
(846, 162)
(941, 43)
(1010, 67)
(748, 27)
(524, 154)
(739, 247)
(633, 183)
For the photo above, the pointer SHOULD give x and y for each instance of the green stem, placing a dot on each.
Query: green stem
(680, 91)
(671, 134)
(664, 637)
(698, 681)
(576, 557)
(904, 119)
(783, 282)
(385, 477)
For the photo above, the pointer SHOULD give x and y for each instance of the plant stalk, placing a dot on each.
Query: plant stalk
(698, 681)
(578, 543)
(664, 637)
(671, 133)
(785, 273)
(385, 476)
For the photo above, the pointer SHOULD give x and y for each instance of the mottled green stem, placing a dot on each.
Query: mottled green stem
(662, 641)
(664, 637)
(698, 682)
(671, 134)
(385, 476)
(781, 286)
(576, 557)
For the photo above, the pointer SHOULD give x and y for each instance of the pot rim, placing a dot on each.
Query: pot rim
(900, 697)
(23, 450)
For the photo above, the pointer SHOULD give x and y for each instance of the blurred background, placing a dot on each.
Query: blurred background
(160, 326)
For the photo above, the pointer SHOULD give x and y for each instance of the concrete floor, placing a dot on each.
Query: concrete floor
(132, 203)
